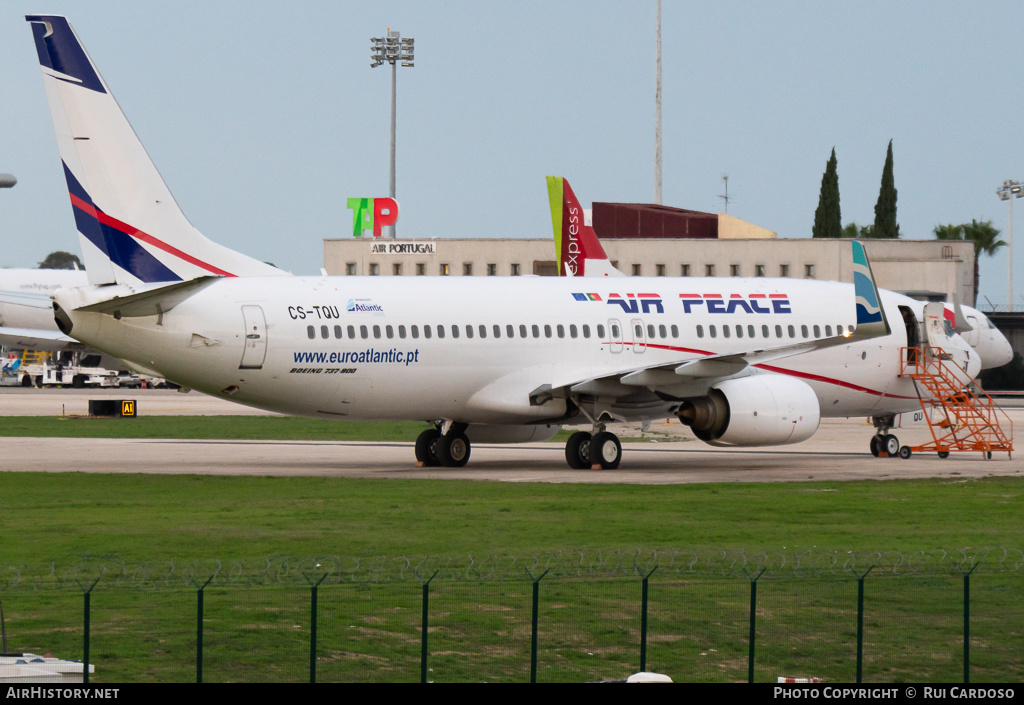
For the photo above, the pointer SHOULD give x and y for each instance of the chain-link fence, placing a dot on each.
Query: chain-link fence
(710, 616)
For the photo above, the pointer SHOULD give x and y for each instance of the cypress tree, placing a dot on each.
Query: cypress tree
(885, 209)
(827, 218)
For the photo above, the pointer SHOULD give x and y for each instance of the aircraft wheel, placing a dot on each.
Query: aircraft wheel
(876, 445)
(905, 452)
(891, 445)
(426, 447)
(453, 450)
(606, 450)
(943, 454)
(577, 451)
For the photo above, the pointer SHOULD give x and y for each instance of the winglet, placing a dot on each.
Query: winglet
(579, 251)
(871, 320)
(956, 317)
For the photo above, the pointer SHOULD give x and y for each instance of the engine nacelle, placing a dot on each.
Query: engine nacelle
(760, 410)
(501, 433)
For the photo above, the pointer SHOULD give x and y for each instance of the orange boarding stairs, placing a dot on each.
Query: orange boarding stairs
(961, 419)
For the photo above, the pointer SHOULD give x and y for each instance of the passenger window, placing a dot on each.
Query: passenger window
(440, 331)
(469, 331)
(311, 332)
(803, 331)
(750, 332)
(712, 331)
(536, 330)
(561, 330)
(792, 331)
(510, 331)
(828, 331)
(455, 331)
(364, 332)
(662, 332)
(650, 330)
(415, 330)
(376, 332)
(600, 330)
(778, 331)
(586, 331)
(700, 331)
(401, 332)
(337, 332)
(427, 332)
(817, 332)
(725, 332)
(739, 331)
(615, 331)
(573, 332)
(675, 331)
(352, 332)
(522, 331)
(547, 331)
(764, 331)
(638, 331)
(389, 331)
(497, 330)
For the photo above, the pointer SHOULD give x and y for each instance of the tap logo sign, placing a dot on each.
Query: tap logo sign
(372, 214)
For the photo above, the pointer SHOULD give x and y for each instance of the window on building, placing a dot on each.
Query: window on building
(684, 270)
(467, 269)
(809, 271)
(350, 268)
(758, 270)
(783, 270)
(709, 270)
(374, 269)
(492, 270)
(659, 270)
(445, 270)
(636, 270)
(734, 270)
(421, 269)
(396, 269)
(515, 269)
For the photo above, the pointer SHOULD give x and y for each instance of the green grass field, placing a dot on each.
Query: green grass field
(67, 524)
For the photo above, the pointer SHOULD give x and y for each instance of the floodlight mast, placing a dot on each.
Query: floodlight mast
(392, 48)
(1007, 192)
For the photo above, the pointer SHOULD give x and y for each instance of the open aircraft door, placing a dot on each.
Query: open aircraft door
(936, 330)
(255, 338)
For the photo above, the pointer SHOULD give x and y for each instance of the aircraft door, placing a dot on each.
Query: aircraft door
(255, 350)
(639, 340)
(973, 336)
(615, 335)
(936, 329)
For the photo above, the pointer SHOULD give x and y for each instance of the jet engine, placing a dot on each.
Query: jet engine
(760, 410)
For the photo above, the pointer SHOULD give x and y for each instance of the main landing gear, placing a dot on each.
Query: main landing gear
(601, 449)
(445, 448)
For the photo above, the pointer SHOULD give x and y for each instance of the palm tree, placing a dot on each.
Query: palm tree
(984, 235)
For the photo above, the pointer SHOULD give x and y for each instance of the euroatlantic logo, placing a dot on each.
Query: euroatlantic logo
(354, 306)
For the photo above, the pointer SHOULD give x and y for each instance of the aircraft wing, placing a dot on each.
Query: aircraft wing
(36, 339)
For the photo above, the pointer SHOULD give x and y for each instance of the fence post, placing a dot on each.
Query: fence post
(199, 629)
(312, 623)
(860, 622)
(967, 624)
(643, 622)
(425, 623)
(533, 634)
(753, 623)
(86, 610)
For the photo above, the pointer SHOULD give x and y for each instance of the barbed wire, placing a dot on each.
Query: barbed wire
(111, 572)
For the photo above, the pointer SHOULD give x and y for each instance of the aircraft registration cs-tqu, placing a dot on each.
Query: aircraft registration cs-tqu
(744, 362)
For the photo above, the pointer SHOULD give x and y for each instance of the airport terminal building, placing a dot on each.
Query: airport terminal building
(645, 240)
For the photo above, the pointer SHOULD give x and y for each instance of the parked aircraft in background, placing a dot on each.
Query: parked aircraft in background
(26, 311)
(742, 361)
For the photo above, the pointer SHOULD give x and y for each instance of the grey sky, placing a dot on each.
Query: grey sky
(264, 118)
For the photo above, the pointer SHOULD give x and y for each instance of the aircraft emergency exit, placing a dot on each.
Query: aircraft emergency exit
(742, 361)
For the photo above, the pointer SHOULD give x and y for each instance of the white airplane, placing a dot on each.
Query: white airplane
(744, 362)
(26, 311)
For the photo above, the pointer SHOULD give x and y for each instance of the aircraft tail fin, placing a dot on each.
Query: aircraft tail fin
(131, 229)
(579, 251)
